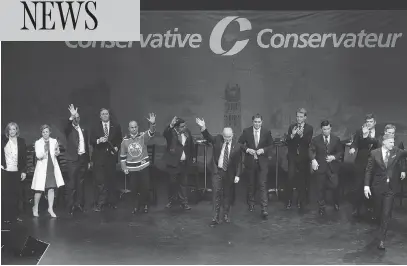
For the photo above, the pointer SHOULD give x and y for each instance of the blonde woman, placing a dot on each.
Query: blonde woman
(13, 171)
(47, 175)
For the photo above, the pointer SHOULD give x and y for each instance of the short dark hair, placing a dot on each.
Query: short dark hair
(302, 111)
(369, 116)
(325, 123)
(104, 109)
(389, 126)
(257, 116)
(179, 122)
(43, 127)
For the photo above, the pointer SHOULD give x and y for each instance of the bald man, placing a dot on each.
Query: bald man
(135, 162)
(226, 169)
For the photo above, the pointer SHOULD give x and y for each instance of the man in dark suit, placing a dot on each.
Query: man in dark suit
(77, 156)
(326, 153)
(105, 138)
(380, 175)
(365, 140)
(226, 169)
(179, 157)
(298, 140)
(256, 142)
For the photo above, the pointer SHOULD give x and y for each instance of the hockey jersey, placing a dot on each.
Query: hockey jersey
(134, 151)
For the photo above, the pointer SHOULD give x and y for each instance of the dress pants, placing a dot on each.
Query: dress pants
(222, 184)
(140, 186)
(75, 185)
(357, 195)
(297, 178)
(10, 191)
(323, 184)
(178, 183)
(105, 182)
(384, 208)
(259, 174)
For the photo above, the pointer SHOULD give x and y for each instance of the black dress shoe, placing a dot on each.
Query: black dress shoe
(264, 214)
(186, 207)
(321, 211)
(214, 222)
(71, 210)
(97, 208)
(145, 209)
(251, 208)
(336, 207)
(80, 208)
(288, 206)
(226, 218)
(381, 245)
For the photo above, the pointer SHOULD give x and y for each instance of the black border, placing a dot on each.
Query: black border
(258, 5)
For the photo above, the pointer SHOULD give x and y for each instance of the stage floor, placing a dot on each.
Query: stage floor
(185, 237)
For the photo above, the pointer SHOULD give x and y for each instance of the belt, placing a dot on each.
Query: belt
(137, 163)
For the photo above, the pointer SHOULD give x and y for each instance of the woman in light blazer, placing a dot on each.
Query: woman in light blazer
(47, 174)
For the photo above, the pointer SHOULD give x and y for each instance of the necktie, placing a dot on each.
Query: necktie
(256, 138)
(326, 140)
(386, 158)
(180, 138)
(106, 130)
(226, 157)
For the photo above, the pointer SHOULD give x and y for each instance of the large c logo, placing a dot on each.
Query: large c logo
(215, 41)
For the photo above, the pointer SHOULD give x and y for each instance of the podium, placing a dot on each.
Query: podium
(204, 144)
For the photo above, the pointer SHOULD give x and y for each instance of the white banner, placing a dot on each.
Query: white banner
(92, 20)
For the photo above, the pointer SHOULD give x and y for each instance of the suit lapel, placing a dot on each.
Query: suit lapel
(392, 158)
(383, 165)
(330, 144)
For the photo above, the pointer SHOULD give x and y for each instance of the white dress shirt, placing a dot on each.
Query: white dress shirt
(372, 133)
(256, 132)
(11, 154)
(184, 139)
(222, 154)
(108, 127)
(328, 138)
(81, 147)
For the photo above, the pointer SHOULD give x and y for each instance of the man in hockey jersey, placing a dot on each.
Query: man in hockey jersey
(135, 162)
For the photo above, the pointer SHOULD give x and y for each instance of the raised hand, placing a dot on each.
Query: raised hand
(72, 110)
(152, 118)
(365, 131)
(173, 121)
(200, 122)
(294, 131)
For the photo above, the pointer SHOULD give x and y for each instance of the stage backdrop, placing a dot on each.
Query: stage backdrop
(342, 84)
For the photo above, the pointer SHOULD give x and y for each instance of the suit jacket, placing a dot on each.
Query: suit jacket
(298, 147)
(235, 157)
(364, 147)
(22, 154)
(72, 142)
(246, 141)
(377, 173)
(319, 151)
(173, 153)
(103, 151)
(402, 164)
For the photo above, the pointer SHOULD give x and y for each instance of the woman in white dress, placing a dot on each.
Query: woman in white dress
(47, 174)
